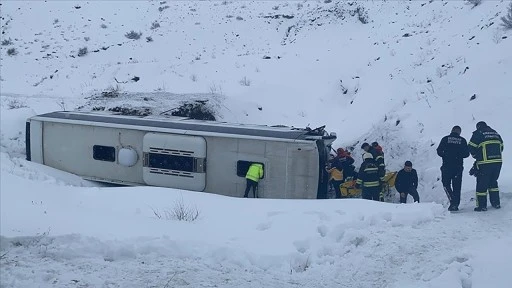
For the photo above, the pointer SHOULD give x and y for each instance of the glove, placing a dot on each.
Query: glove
(473, 171)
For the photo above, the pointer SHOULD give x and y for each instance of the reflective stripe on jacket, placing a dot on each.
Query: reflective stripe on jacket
(368, 175)
(486, 146)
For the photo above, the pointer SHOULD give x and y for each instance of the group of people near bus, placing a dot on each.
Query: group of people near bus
(485, 146)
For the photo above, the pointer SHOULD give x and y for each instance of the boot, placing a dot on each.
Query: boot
(497, 206)
(453, 208)
(480, 209)
(481, 203)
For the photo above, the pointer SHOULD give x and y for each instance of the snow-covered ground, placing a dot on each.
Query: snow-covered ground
(403, 79)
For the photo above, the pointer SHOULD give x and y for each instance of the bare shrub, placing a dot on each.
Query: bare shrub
(300, 264)
(82, 51)
(6, 42)
(215, 89)
(133, 35)
(61, 104)
(496, 36)
(245, 81)
(155, 25)
(15, 104)
(193, 77)
(104, 26)
(474, 2)
(149, 39)
(198, 109)
(239, 18)
(111, 92)
(163, 8)
(362, 15)
(87, 39)
(55, 21)
(507, 20)
(12, 51)
(40, 241)
(180, 211)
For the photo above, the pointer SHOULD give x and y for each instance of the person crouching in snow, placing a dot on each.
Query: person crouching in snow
(368, 178)
(407, 183)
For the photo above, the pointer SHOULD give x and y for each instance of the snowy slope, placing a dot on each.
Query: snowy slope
(403, 79)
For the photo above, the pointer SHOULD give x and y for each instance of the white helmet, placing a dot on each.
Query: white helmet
(367, 155)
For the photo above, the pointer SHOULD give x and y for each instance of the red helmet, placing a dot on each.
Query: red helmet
(341, 152)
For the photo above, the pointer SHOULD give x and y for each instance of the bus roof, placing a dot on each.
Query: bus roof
(184, 123)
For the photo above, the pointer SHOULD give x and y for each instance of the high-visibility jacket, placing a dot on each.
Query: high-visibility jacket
(336, 174)
(255, 172)
(486, 146)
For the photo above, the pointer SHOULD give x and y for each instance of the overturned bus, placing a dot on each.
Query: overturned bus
(182, 153)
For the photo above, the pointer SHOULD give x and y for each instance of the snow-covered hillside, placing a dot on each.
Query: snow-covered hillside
(398, 72)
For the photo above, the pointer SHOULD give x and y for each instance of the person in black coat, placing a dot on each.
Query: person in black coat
(407, 183)
(453, 149)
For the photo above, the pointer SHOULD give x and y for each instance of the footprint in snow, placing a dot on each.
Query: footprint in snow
(264, 226)
(322, 230)
(342, 213)
(460, 259)
(302, 246)
(321, 215)
(274, 213)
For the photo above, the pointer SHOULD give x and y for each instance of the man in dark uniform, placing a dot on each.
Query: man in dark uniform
(486, 146)
(453, 149)
(382, 168)
(378, 157)
(368, 178)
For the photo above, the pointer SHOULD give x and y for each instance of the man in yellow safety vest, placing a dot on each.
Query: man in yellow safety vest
(253, 176)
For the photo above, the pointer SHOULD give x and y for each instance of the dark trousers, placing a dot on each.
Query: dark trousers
(413, 192)
(487, 181)
(452, 183)
(371, 193)
(254, 185)
(336, 185)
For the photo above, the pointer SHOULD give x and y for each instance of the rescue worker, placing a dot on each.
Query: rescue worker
(368, 178)
(407, 183)
(336, 177)
(382, 166)
(453, 149)
(347, 164)
(486, 146)
(377, 156)
(253, 176)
